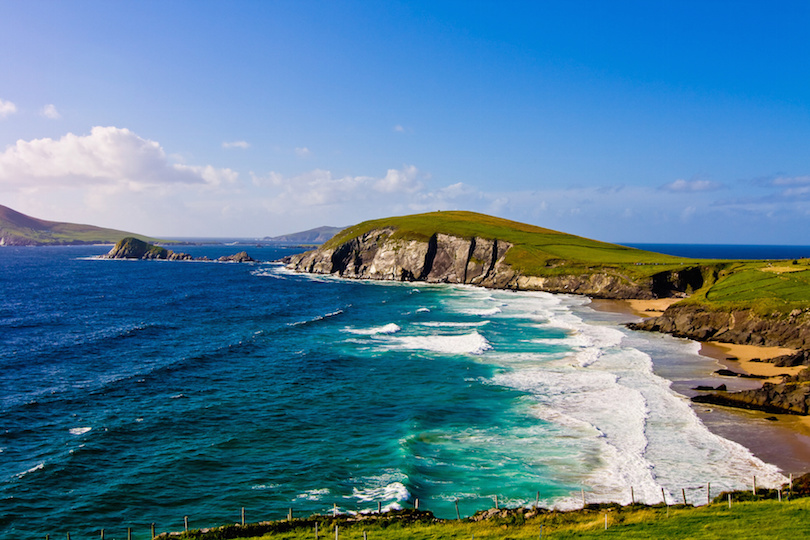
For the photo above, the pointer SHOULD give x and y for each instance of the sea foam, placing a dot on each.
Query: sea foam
(473, 343)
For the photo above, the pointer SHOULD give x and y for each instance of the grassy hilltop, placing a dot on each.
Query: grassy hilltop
(17, 229)
(764, 286)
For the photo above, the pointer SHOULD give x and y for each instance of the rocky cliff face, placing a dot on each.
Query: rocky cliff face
(475, 261)
(791, 396)
(742, 326)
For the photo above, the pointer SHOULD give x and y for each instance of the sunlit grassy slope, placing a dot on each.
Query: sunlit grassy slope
(765, 286)
(744, 520)
(536, 251)
(33, 231)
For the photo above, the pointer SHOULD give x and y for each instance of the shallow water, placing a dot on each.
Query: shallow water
(145, 391)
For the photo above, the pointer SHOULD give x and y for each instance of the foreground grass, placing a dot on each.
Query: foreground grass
(744, 520)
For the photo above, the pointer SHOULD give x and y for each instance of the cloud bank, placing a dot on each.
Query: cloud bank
(108, 155)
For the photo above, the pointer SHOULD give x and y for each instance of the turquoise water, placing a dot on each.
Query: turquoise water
(145, 391)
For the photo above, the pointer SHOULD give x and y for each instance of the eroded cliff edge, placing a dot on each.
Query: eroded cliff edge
(442, 258)
(742, 326)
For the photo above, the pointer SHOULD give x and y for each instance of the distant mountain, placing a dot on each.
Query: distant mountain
(17, 229)
(312, 236)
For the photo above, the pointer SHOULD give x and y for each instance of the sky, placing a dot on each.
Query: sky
(623, 121)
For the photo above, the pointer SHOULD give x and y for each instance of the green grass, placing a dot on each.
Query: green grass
(728, 285)
(744, 520)
(535, 251)
(42, 232)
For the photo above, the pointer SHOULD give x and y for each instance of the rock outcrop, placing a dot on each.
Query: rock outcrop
(742, 326)
(791, 396)
(132, 248)
(379, 254)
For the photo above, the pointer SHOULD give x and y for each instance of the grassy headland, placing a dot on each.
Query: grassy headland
(766, 287)
(17, 229)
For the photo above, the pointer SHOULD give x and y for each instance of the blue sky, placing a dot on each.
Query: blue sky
(681, 122)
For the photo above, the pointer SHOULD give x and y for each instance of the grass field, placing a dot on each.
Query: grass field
(743, 520)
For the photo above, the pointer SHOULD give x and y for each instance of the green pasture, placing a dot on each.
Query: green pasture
(741, 521)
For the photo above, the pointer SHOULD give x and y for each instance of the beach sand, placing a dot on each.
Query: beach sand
(784, 442)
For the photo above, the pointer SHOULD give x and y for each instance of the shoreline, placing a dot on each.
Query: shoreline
(783, 442)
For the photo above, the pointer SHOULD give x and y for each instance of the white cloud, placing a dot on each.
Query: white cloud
(691, 186)
(7, 108)
(49, 111)
(108, 156)
(236, 144)
(399, 181)
(399, 129)
(303, 152)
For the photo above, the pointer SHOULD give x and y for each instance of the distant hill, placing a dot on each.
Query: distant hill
(17, 229)
(312, 236)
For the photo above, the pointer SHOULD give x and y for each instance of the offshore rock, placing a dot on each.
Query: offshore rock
(132, 248)
(240, 257)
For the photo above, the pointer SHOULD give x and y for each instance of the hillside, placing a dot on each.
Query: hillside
(466, 247)
(17, 229)
(319, 235)
(754, 302)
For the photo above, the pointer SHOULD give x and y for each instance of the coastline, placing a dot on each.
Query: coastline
(781, 439)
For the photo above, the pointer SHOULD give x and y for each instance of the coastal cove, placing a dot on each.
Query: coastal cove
(143, 391)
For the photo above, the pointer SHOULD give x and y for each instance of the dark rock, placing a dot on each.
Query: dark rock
(132, 248)
(741, 326)
(242, 256)
(771, 419)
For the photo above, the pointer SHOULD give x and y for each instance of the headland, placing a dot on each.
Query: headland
(740, 305)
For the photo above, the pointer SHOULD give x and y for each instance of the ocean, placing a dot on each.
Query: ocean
(140, 392)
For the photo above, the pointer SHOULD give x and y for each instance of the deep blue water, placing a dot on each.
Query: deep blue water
(134, 392)
(727, 251)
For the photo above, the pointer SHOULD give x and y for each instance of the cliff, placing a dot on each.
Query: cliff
(379, 254)
(743, 326)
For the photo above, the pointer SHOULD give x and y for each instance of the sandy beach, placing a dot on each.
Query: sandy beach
(785, 442)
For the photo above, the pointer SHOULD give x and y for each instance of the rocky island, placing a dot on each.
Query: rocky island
(741, 302)
(133, 248)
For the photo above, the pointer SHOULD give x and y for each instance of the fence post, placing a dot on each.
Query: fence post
(537, 501)
(632, 496)
(379, 507)
(336, 533)
(185, 522)
(755, 487)
(102, 534)
(583, 497)
(683, 492)
(129, 533)
(458, 516)
(153, 530)
(729, 500)
(709, 493)
(243, 516)
(316, 530)
(496, 502)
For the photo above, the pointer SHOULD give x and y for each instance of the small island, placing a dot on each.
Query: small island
(133, 248)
